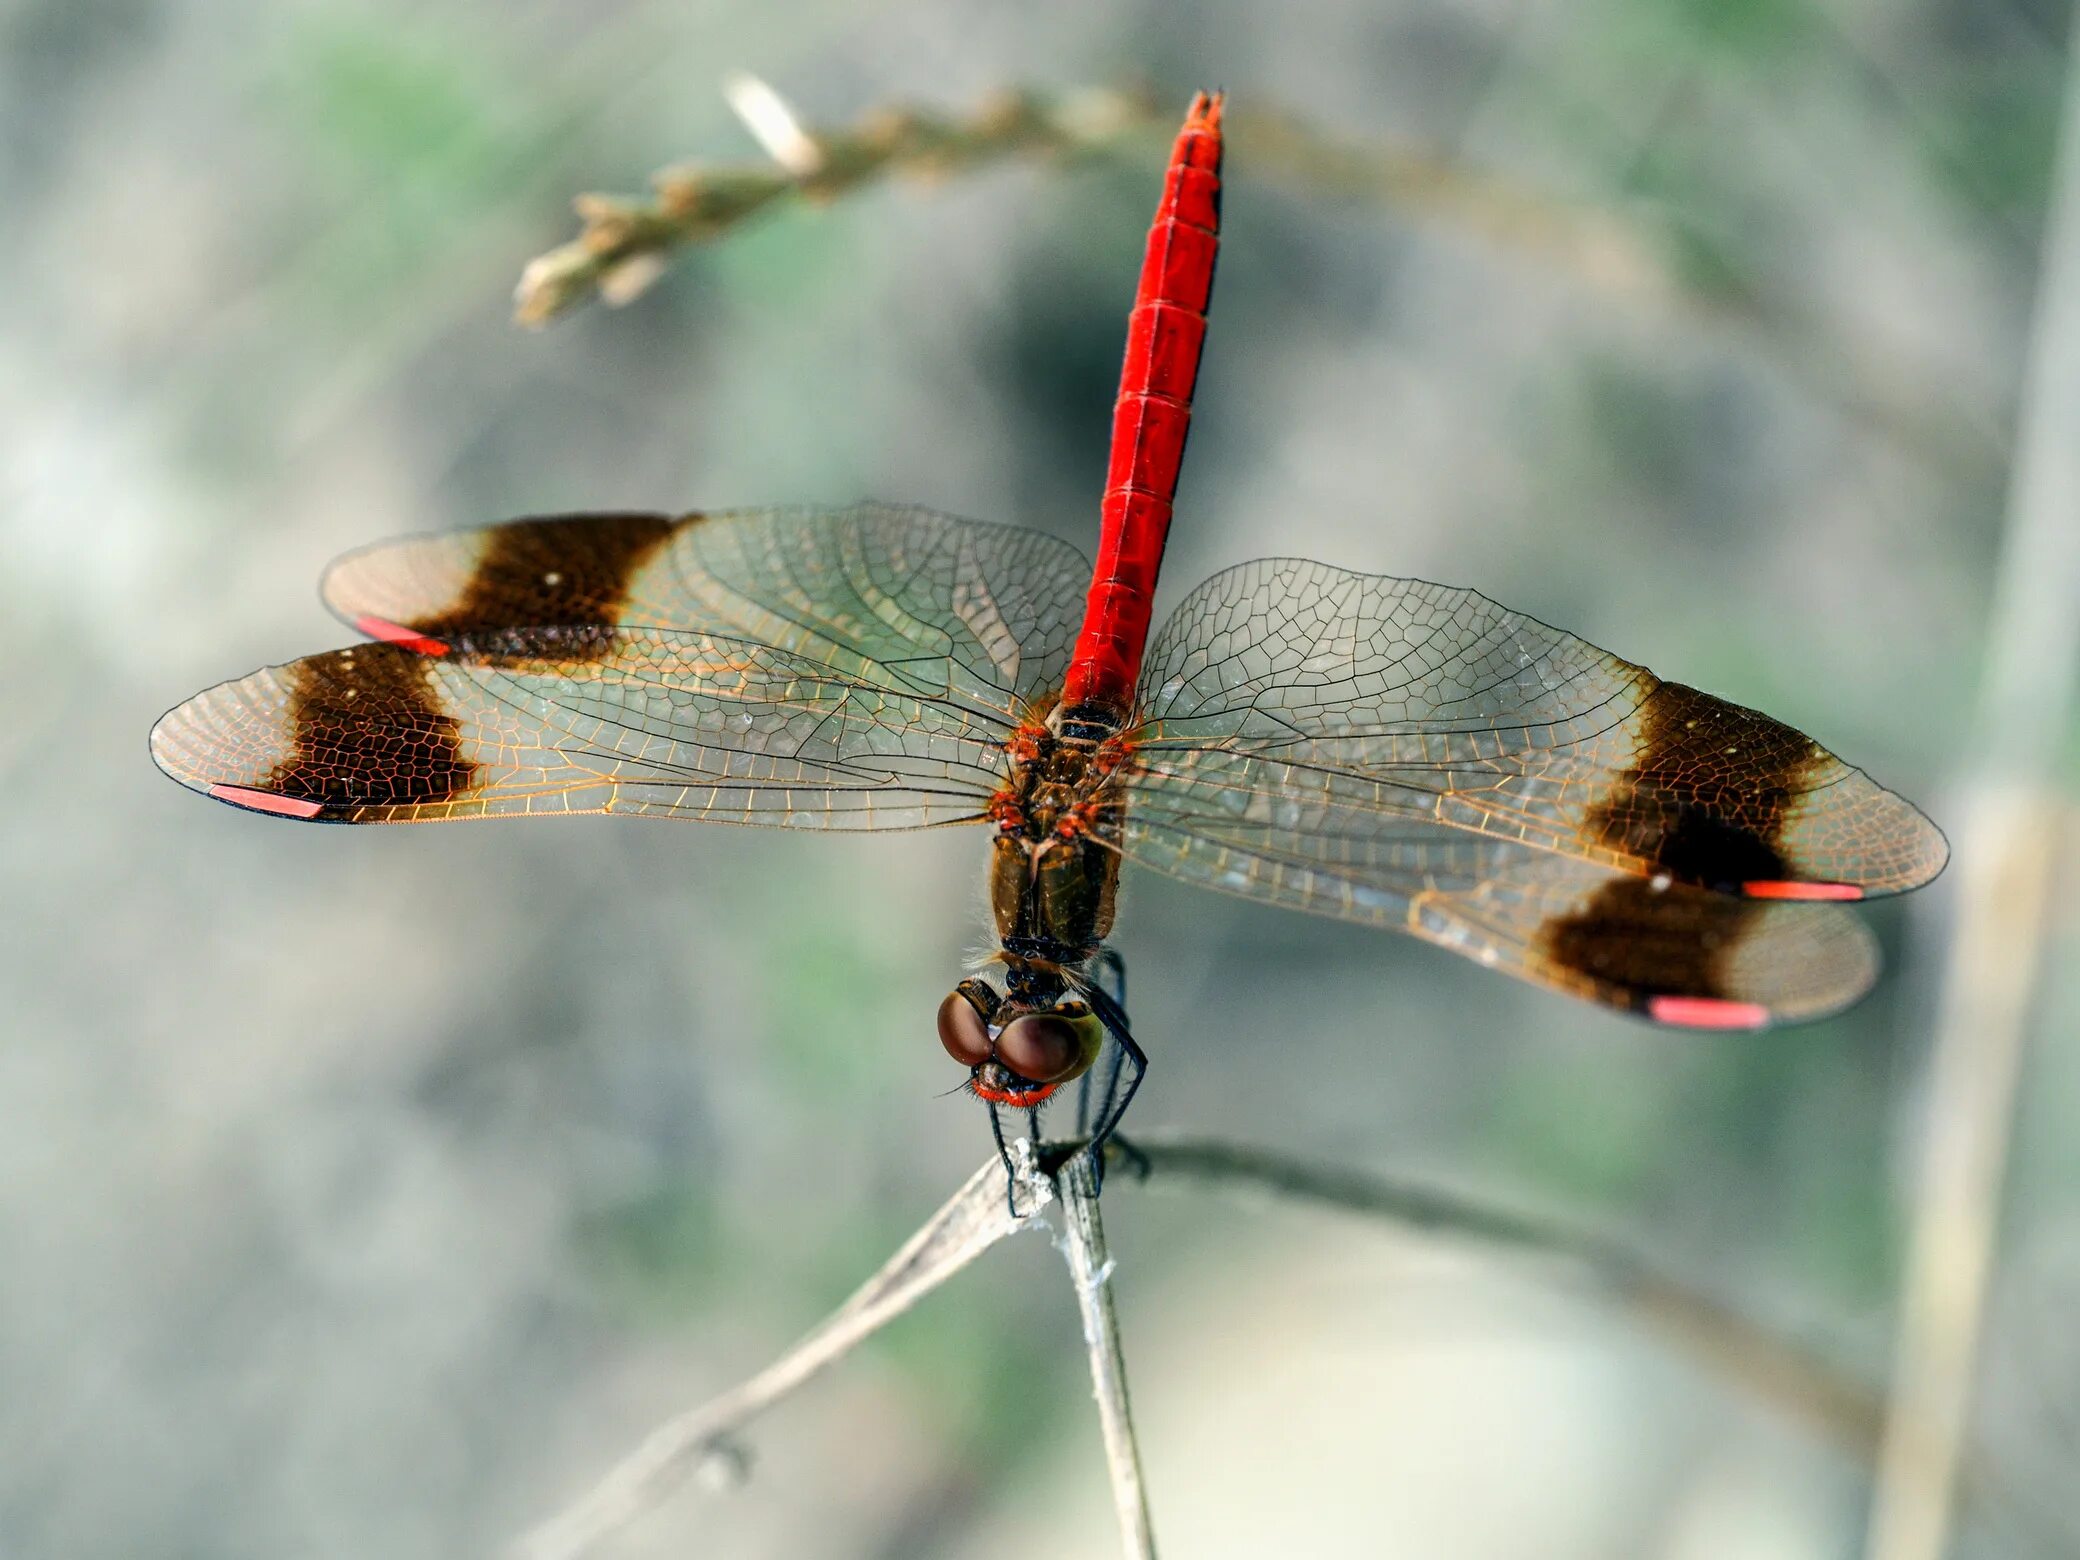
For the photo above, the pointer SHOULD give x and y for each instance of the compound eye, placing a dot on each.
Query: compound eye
(1046, 1047)
(962, 1029)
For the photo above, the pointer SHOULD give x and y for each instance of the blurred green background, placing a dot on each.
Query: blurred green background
(367, 1192)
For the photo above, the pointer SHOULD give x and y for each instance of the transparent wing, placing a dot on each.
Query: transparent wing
(528, 722)
(1402, 753)
(824, 669)
(1666, 950)
(986, 609)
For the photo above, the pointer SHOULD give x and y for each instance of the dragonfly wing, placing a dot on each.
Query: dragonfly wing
(532, 722)
(1672, 952)
(1419, 704)
(1408, 755)
(814, 668)
(988, 611)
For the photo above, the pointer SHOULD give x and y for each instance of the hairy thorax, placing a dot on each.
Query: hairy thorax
(1054, 866)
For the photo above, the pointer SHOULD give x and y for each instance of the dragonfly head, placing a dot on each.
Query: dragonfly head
(1017, 1053)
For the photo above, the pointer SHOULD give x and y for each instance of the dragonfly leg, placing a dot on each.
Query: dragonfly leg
(996, 1130)
(1110, 973)
(1093, 1096)
(1087, 1121)
(1129, 1056)
(1116, 1110)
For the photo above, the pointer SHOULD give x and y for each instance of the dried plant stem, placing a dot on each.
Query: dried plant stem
(1090, 1267)
(1992, 971)
(1989, 985)
(974, 1220)
(1591, 245)
(624, 239)
(1778, 1373)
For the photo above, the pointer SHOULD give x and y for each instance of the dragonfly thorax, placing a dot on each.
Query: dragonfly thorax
(1053, 874)
(1054, 864)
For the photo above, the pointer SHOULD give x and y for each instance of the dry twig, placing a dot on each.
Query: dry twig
(1991, 976)
(623, 239)
(974, 1220)
(1777, 1372)
(1090, 1268)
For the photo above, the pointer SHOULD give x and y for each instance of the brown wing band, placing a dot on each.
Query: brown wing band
(1706, 801)
(569, 572)
(369, 731)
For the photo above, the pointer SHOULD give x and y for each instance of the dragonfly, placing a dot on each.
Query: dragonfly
(1379, 750)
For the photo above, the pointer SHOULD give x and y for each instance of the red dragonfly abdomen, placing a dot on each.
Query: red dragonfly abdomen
(1152, 416)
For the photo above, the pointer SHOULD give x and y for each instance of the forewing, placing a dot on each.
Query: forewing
(532, 722)
(1406, 754)
(965, 609)
(1421, 703)
(851, 668)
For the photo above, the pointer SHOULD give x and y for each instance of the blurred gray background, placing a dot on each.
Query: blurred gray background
(366, 1192)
